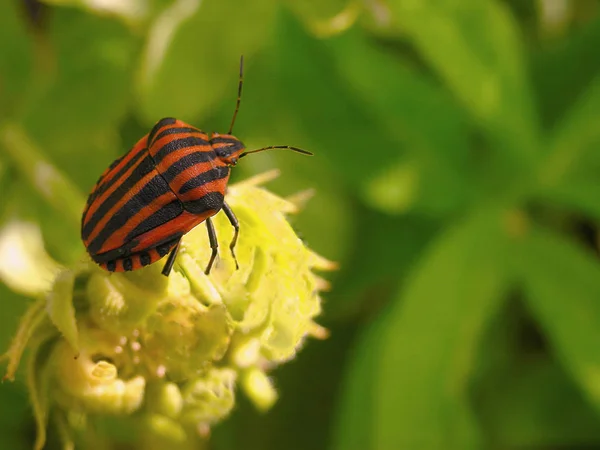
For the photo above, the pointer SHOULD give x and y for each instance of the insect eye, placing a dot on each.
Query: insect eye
(222, 152)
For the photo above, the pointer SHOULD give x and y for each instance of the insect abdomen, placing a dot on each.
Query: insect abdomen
(136, 260)
(129, 200)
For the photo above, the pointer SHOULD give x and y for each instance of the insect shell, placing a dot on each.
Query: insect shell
(173, 179)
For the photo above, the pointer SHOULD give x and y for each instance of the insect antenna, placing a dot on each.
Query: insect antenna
(237, 108)
(239, 97)
(272, 147)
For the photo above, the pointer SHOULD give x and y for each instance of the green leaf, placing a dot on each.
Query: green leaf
(475, 47)
(16, 48)
(432, 335)
(48, 182)
(377, 265)
(534, 404)
(419, 113)
(191, 58)
(130, 11)
(562, 284)
(326, 18)
(580, 195)
(14, 412)
(578, 134)
(78, 98)
(563, 69)
(354, 425)
(304, 97)
(522, 397)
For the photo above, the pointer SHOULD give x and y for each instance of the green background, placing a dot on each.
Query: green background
(457, 179)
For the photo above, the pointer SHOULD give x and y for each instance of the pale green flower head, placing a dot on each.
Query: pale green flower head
(167, 354)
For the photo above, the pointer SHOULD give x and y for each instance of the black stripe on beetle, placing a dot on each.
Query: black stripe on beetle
(218, 173)
(163, 215)
(160, 124)
(156, 187)
(178, 144)
(144, 168)
(176, 130)
(185, 163)
(213, 201)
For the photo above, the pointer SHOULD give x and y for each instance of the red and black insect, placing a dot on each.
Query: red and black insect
(173, 179)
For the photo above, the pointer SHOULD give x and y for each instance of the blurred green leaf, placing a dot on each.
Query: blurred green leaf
(562, 69)
(522, 397)
(385, 251)
(13, 415)
(536, 405)
(48, 182)
(16, 48)
(312, 10)
(354, 425)
(475, 47)
(326, 18)
(432, 335)
(191, 57)
(579, 195)
(131, 11)
(7, 179)
(569, 173)
(36, 191)
(579, 133)
(562, 283)
(422, 116)
(79, 98)
(500, 346)
(320, 112)
(395, 189)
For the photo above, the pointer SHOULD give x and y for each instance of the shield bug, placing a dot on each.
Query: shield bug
(173, 179)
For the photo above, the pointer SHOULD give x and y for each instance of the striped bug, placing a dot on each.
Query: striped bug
(173, 179)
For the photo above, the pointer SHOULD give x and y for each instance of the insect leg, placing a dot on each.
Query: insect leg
(171, 260)
(236, 227)
(212, 237)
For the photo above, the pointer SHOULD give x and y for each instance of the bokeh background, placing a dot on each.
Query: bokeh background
(456, 182)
